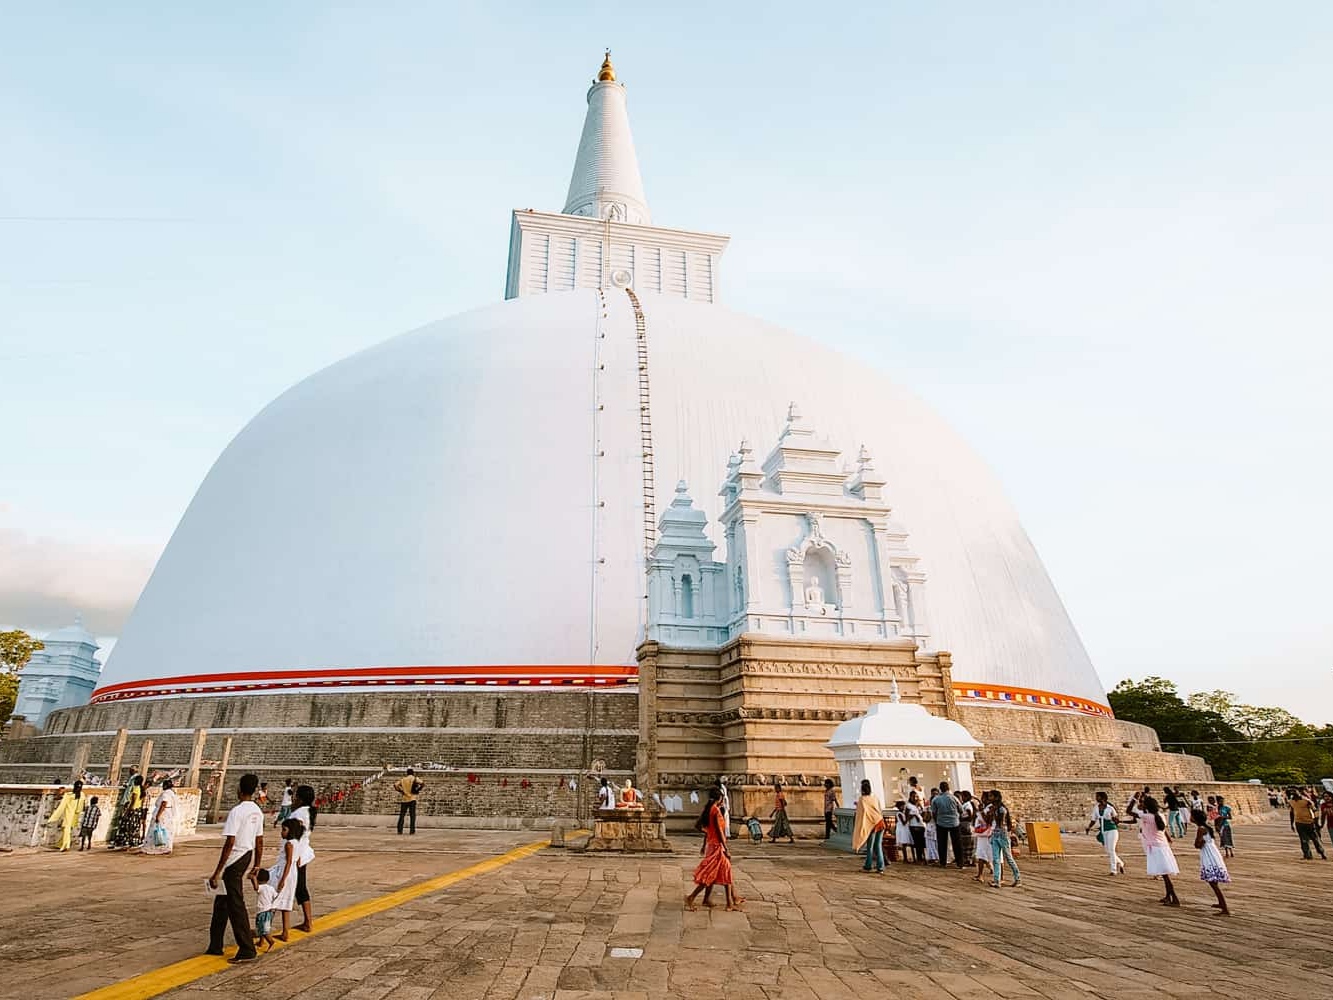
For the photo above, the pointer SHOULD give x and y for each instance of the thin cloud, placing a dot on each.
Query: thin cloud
(44, 582)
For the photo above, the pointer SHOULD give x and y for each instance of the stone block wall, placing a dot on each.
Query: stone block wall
(1009, 724)
(998, 761)
(1070, 802)
(24, 810)
(334, 740)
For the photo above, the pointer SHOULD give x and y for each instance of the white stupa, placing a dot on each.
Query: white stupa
(473, 502)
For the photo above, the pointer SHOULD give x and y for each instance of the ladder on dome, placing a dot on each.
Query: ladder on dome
(645, 430)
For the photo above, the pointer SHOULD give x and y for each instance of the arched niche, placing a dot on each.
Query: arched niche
(819, 571)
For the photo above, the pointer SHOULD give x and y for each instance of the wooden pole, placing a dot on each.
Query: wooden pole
(81, 754)
(214, 812)
(196, 758)
(117, 757)
(145, 761)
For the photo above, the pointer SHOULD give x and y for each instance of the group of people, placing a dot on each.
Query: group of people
(279, 888)
(134, 825)
(1158, 827)
(923, 830)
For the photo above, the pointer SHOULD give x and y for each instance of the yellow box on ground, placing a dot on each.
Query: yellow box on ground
(1044, 838)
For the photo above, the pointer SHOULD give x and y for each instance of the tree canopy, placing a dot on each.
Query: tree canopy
(16, 649)
(1239, 741)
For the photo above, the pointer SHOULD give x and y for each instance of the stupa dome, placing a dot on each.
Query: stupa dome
(474, 502)
(438, 501)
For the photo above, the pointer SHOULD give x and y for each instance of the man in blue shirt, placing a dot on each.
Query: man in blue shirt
(948, 814)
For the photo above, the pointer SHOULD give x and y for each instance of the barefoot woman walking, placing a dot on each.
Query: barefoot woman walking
(715, 868)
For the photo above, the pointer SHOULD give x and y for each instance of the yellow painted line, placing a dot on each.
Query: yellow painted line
(169, 977)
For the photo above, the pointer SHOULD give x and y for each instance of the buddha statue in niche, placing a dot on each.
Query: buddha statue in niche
(814, 598)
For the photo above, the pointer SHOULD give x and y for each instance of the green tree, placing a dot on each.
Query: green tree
(1156, 702)
(1251, 721)
(16, 649)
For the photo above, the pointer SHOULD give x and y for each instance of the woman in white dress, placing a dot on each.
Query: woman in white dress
(160, 831)
(1157, 847)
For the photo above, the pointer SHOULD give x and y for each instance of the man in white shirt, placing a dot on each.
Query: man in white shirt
(242, 852)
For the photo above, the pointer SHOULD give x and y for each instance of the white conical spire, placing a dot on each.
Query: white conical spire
(606, 182)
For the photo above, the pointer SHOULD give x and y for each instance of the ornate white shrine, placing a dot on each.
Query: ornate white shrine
(812, 551)
(894, 741)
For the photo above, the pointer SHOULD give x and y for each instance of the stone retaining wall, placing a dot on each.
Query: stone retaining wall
(334, 740)
(1070, 802)
(1008, 724)
(1000, 761)
(24, 810)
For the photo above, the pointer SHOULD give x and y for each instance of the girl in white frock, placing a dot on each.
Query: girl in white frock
(902, 830)
(1157, 847)
(981, 828)
(1212, 869)
(282, 876)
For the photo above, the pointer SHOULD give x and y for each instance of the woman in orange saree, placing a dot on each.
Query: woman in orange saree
(715, 868)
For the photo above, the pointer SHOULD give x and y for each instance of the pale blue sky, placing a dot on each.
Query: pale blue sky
(1097, 240)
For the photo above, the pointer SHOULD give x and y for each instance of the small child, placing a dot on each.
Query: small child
(268, 903)
(283, 872)
(88, 825)
(755, 828)
(1212, 869)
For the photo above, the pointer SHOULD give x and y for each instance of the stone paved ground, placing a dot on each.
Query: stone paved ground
(73, 922)
(814, 928)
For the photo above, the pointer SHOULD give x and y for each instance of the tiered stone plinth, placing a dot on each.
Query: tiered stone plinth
(633, 830)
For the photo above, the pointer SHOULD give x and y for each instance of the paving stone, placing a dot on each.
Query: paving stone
(814, 928)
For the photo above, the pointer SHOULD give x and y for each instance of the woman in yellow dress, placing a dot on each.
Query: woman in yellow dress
(67, 814)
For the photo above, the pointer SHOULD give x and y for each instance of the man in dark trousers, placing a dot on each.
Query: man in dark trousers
(242, 852)
(948, 813)
(408, 788)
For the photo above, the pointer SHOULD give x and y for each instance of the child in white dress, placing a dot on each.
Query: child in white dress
(1212, 868)
(283, 873)
(1157, 847)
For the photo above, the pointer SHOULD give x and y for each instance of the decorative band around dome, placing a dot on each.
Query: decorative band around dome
(576, 675)
(1029, 698)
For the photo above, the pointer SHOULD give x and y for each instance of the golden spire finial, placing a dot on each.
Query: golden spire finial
(608, 72)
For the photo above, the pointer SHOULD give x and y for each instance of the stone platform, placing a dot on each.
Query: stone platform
(637, 831)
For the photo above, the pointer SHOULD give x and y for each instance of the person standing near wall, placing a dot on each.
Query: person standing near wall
(967, 814)
(947, 811)
(67, 814)
(869, 829)
(409, 788)
(285, 805)
(830, 803)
